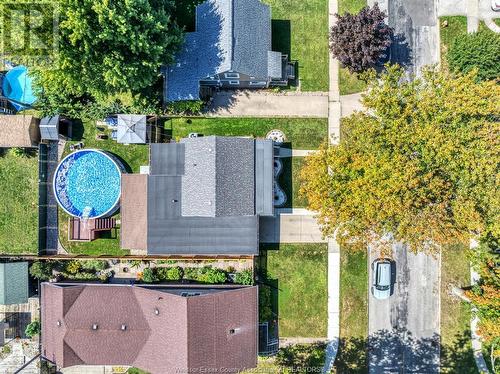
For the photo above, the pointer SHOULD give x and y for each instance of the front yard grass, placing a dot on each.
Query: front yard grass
(19, 203)
(349, 83)
(300, 29)
(298, 276)
(290, 182)
(353, 312)
(302, 133)
(457, 25)
(456, 351)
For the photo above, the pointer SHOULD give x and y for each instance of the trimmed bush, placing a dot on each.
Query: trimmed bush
(42, 270)
(149, 276)
(95, 265)
(73, 266)
(171, 274)
(244, 277)
(33, 329)
(211, 275)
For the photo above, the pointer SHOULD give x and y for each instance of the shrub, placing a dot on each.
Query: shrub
(480, 50)
(172, 274)
(73, 266)
(302, 357)
(211, 275)
(360, 40)
(149, 276)
(18, 152)
(6, 349)
(191, 273)
(33, 329)
(265, 304)
(244, 277)
(95, 265)
(41, 270)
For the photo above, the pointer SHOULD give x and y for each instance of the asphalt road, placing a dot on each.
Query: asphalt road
(404, 329)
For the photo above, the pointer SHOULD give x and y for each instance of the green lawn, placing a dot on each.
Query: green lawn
(457, 25)
(132, 156)
(302, 133)
(298, 275)
(349, 82)
(19, 203)
(353, 312)
(290, 182)
(456, 351)
(300, 29)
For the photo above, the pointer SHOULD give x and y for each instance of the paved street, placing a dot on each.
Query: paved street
(404, 329)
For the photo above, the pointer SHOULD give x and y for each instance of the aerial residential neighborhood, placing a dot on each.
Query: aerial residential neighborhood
(249, 186)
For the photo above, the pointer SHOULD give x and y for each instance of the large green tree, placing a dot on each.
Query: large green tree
(420, 165)
(108, 49)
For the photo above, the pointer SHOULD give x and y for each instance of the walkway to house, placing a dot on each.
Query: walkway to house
(17, 358)
(269, 104)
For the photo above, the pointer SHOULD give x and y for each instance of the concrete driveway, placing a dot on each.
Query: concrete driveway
(404, 329)
(269, 104)
(295, 226)
(416, 32)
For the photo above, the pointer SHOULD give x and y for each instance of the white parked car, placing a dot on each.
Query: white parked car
(382, 278)
(495, 5)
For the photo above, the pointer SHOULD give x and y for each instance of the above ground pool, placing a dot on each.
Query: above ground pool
(87, 183)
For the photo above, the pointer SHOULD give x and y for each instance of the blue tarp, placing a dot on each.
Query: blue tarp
(17, 87)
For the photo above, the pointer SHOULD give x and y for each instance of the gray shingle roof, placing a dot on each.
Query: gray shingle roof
(230, 35)
(221, 170)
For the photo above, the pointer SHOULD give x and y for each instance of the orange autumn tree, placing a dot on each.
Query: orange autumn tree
(420, 163)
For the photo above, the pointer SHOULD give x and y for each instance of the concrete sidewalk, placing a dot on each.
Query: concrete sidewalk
(269, 104)
(290, 228)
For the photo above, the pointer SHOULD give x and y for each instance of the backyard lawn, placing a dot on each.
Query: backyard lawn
(19, 207)
(302, 133)
(300, 29)
(456, 351)
(290, 182)
(132, 156)
(353, 313)
(297, 272)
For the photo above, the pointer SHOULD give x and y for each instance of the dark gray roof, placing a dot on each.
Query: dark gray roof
(231, 35)
(49, 128)
(184, 176)
(13, 283)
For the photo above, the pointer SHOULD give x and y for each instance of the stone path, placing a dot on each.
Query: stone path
(16, 359)
(269, 104)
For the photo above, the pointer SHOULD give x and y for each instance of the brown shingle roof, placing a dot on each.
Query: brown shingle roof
(134, 211)
(186, 334)
(19, 131)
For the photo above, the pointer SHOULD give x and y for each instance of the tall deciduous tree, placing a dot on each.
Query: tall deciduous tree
(360, 40)
(480, 50)
(109, 47)
(420, 165)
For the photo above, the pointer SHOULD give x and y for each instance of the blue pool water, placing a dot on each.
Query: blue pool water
(87, 184)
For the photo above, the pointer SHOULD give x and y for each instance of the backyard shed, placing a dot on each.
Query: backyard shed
(13, 283)
(131, 129)
(49, 128)
(19, 131)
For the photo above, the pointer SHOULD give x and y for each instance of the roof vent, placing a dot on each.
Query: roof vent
(157, 311)
(124, 327)
(95, 326)
(58, 323)
(233, 331)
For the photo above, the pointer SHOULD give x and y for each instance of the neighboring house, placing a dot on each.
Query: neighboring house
(231, 48)
(13, 283)
(160, 329)
(19, 131)
(202, 196)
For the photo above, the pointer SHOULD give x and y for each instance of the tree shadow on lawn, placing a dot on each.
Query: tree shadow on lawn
(356, 354)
